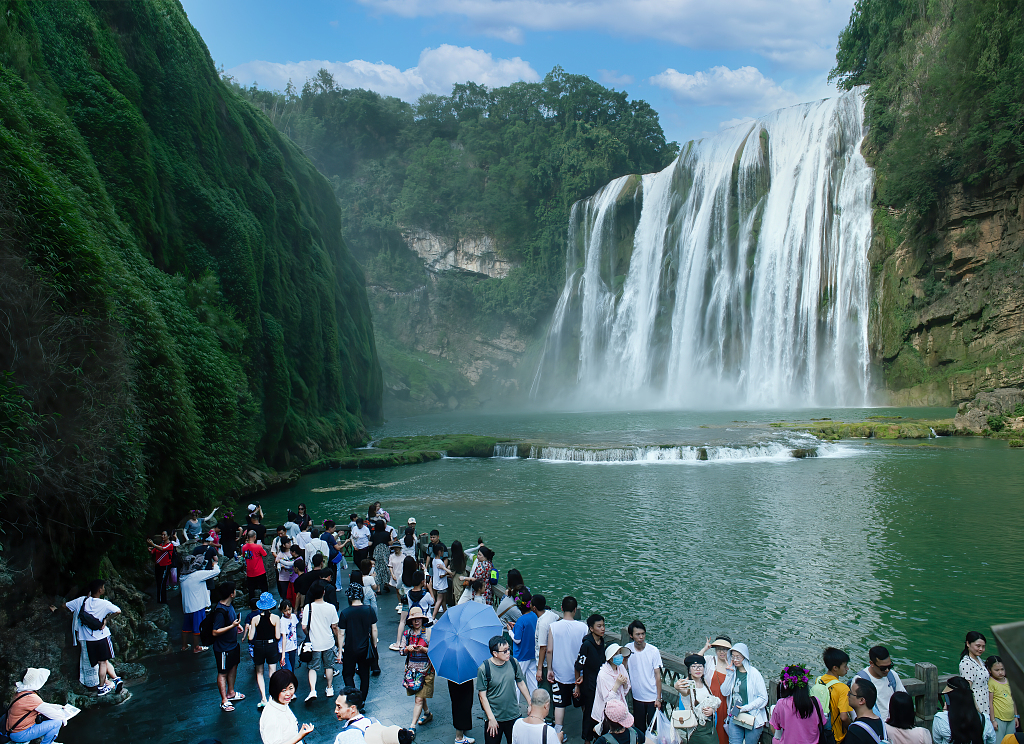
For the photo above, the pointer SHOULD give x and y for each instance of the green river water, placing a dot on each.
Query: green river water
(909, 544)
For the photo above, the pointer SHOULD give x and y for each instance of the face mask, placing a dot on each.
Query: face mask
(617, 659)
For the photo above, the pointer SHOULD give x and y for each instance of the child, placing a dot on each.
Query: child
(285, 561)
(439, 585)
(1001, 708)
(289, 636)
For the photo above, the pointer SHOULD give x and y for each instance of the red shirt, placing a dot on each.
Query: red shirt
(253, 553)
(163, 554)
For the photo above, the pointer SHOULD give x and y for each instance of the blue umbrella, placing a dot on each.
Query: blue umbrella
(459, 640)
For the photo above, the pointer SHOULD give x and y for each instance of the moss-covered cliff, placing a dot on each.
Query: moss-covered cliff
(177, 304)
(947, 142)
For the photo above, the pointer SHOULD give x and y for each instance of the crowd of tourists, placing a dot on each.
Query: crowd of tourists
(544, 662)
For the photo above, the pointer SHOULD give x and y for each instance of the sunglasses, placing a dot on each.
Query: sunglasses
(885, 668)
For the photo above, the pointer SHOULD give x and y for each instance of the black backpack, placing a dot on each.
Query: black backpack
(206, 636)
(4, 731)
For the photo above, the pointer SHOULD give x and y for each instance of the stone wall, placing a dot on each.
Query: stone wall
(468, 253)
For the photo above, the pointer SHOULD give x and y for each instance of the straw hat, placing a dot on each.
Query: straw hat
(416, 612)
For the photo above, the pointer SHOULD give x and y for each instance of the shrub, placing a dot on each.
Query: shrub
(996, 423)
(1017, 443)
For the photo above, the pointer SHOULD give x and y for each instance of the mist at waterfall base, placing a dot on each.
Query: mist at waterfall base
(735, 278)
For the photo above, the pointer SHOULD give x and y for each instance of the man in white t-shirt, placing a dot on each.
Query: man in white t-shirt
(879, 673)
(316, 544)
(532, 729)
(322, 620)
(360, 541)
(545, 617)
(644, 675)
(97, 642)
(562, 648)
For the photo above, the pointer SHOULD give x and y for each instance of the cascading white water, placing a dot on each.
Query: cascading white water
(737, 276)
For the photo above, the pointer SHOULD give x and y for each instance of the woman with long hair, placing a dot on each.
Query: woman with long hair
(716, 669)
(278, 724)
(414, 644)
(380, 547)
(900, 728)
(304, 520)
(973, 669)
(960, 721)
(797, 716)
(407, 582)
(483, 571)
(695, 695)
(747, 697)
(409, 542)
(458, 562)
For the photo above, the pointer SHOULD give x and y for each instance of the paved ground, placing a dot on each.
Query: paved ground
(178, 702)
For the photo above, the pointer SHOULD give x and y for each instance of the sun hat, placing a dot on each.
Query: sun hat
(34, 679)
(616, 711)
(416, 612)
(266, 602)
(614, 649)
(721, 643)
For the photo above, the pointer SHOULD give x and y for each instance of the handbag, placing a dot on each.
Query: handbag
(744, 720)
(685, 718)
(413, 679)
(306, 649)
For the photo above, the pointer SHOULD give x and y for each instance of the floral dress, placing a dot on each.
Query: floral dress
(483, 571)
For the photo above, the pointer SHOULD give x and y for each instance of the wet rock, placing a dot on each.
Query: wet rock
(129, 670)
(151, 639)
(160, 617)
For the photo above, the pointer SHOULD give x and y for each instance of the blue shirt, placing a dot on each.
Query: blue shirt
(223, 617)
(525, 630)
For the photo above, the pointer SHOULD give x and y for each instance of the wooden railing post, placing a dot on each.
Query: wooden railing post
(927, 703)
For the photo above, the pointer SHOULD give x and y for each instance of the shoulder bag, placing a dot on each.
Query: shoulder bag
(85, 618)
(306, 649)
(825, 733)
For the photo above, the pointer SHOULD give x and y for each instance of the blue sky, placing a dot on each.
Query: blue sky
(702, 64)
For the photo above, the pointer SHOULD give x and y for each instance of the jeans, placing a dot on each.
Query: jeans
(740, 735)
(48, 729)
(288, 660)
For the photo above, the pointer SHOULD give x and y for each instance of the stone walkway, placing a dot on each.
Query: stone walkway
(178, 703)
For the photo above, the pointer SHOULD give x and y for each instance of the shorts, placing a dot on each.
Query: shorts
(265, 652)
(227, 660)
(323, 659)
(562, 697)
(100, 650)
(192, 622)
(427, 691)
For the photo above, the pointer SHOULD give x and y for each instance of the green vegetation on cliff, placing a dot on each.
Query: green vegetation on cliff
(178, 304)
(506, 162)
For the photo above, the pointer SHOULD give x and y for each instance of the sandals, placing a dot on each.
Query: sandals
(412, 730)
(394, 647)
(426, 718)
(236, 697)
(227, 706)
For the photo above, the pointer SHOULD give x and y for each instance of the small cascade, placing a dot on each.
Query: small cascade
(506, 450)
(936, 436)
(683, 453)
(737, 276)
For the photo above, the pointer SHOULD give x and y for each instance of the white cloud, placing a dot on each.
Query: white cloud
(612, 77)
(438, 70)
(795, 33)
(744, 89)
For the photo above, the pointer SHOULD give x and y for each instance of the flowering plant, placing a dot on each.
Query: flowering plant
(795, 676)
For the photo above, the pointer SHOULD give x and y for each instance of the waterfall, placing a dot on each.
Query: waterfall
(737, 276)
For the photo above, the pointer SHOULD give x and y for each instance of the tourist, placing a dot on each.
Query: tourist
(588, 665)
(303, 538)
(230, 532)
(348, 709)
(162, 554)
(225, 645)
(960, 721)
(797, 718)
(716, 669)
(253, 522)
(746, 693)
(360, 541)
(409, 541)
(458, 563)
(497, 682)
(289, 643)
(414, 644)
(284, 562)
(281, 534)
(483, 571)
(900, 728)
(532, 729)
(305, 582)
(409, 569)
(644, 675)
(303, 519)
(524, 640)
(329, 535)
(1002, 711)
(973, 669)
(291, 526)
(508, 608)
(298, 571)
(253, 554)
(867, 727)
(369, 582)
(264, 635)
(545, 618)
(612, 683)
(357, 625)
(317, 546)
(320, 623)
(839, 711)
(195, 598)
(477, 592)
(695, 695)
(98, 645)
(879, 673)
(194, 527)
(562, 648)
(278, 724)
(395, 560)
(418, 596)
(27, 708)
(439, 580)
(461, 696)
(380, 549)
(619, 724)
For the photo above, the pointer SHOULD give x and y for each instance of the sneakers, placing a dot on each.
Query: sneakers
(311, 696)
(329, 692)
(118, 684)
(465, 740)
(105, 690)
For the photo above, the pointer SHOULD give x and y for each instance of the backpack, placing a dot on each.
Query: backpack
(821, 691)
(176, 561)
(87, 619)
(492, 577)
(206, 636)
(5, 733)
(871, 731)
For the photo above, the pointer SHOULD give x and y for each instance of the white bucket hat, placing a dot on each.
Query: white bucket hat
(34, 679)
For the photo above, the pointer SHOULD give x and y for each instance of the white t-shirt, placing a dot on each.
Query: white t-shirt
(567, 636)
(368, 586)
(532, 733)
(544, 622)
(289, 637)
(320, 633)
(314, 546)
(885, 691)
(641, 672)
(439, 577)
(99, 609)
(361, 537)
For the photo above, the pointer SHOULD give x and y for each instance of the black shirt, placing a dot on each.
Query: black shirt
(228, 531)
(208, 551)
(259, 529)
(589, 661)
(357, 621)
(857, 735)
(305, 581)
